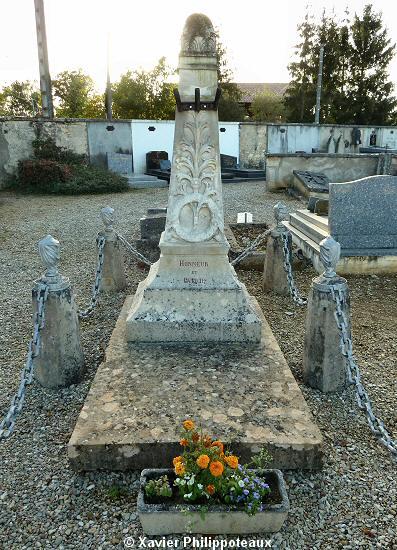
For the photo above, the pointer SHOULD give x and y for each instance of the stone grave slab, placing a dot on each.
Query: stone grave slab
(310, 183)
(243, 393)
(362, 216)
(119, 162)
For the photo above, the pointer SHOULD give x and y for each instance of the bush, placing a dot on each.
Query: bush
(60, 171)
(49, 176)
(47, 149)
(42, 174)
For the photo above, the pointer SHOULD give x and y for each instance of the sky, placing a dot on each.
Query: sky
(259, 35)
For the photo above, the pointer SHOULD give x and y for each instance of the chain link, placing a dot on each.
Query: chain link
(293, 290)
(98, 277)
(27, 373)
(252, 246)
(376, 425)
(133, 250)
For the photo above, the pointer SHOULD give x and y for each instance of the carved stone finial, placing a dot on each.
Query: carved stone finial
(49, 250)
(108, 218)
(280, 213)
(198, 36)
(329, 256)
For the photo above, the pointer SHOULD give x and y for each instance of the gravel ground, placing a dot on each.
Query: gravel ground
(351, 503)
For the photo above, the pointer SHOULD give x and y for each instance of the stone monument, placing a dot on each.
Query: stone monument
(192, 293)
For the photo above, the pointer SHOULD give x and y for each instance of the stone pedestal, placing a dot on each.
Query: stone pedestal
(61, 360)
(274, 275)
(192, 293)
(113, 275)
(324, 366)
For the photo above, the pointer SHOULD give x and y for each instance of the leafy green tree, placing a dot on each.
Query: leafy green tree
(145, 94)
(370, 90)
(77, 97)
(230, 108)
(20, 99)
(268, 107)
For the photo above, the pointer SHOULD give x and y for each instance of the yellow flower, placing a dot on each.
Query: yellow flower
(188, 425)
(218, 444)
(179, 469)
(203, 461)
(184, 442)
(210, 489)
(177, 459)
(231, 461)
(216, 468)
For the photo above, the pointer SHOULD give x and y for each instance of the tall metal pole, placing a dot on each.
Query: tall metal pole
(319, 86)
(45, 79)
(108, 85)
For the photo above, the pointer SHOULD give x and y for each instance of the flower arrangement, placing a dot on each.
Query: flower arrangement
(206, 472)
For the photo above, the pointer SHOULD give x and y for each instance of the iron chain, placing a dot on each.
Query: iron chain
(376, 425)
(252, 246)
(133, 250)
(27, 373)
(293, 290)
(98, 277)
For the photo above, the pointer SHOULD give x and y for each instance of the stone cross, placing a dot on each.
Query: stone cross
(192, 293)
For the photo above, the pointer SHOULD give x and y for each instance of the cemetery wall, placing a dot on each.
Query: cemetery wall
(252, 144)
(108, 137)
(16, 137)
(338, 168)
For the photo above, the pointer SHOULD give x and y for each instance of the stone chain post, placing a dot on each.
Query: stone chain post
(324, 366)
(274, 275)
(61, 360)
(113, 276)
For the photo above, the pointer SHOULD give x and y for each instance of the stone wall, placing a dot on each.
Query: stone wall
(253, 144)
(338, 168)
(16, 137)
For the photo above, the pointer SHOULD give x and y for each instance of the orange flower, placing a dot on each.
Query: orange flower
(207, 441)
(218, 444)
(177, 459)
(195, 437)
(216, 468)
(210, 489)
(231, 461)
(184, 442)
(188, 425)
(203, 461)
(179, 469)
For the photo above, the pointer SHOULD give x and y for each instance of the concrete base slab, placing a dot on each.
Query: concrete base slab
(143, 181)
(245, 394)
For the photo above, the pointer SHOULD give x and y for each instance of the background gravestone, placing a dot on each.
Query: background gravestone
(362, 216)
(119, 162)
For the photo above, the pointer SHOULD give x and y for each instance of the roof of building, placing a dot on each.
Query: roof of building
(251, 89)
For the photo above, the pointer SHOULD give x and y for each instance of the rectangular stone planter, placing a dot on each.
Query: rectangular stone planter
(168, 518)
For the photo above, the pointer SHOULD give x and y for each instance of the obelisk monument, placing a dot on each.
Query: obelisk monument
(192, 294)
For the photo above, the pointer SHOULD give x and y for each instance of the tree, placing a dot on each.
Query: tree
(20, 99)
(300, 95)
(370, 91)
(268, 107)
(145, 94)
(355, 80)
(77, 97)
(230, 108)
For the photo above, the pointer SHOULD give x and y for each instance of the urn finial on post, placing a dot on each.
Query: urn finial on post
(108, 218)
(49, 250)
(280, 214)
(329, 256)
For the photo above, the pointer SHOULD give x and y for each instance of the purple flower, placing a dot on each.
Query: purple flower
(257, 496)
(246, 492)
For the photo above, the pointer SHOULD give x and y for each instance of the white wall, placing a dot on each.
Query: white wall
(162, 139)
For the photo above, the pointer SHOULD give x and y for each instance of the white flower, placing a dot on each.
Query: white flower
(188, 495)
(199, 486)
(232, 489)
(191, 481)
(241, 483)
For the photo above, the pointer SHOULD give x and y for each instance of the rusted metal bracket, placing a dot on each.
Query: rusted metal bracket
(197, 105)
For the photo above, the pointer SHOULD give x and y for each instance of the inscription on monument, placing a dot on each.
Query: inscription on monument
(186, 263)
